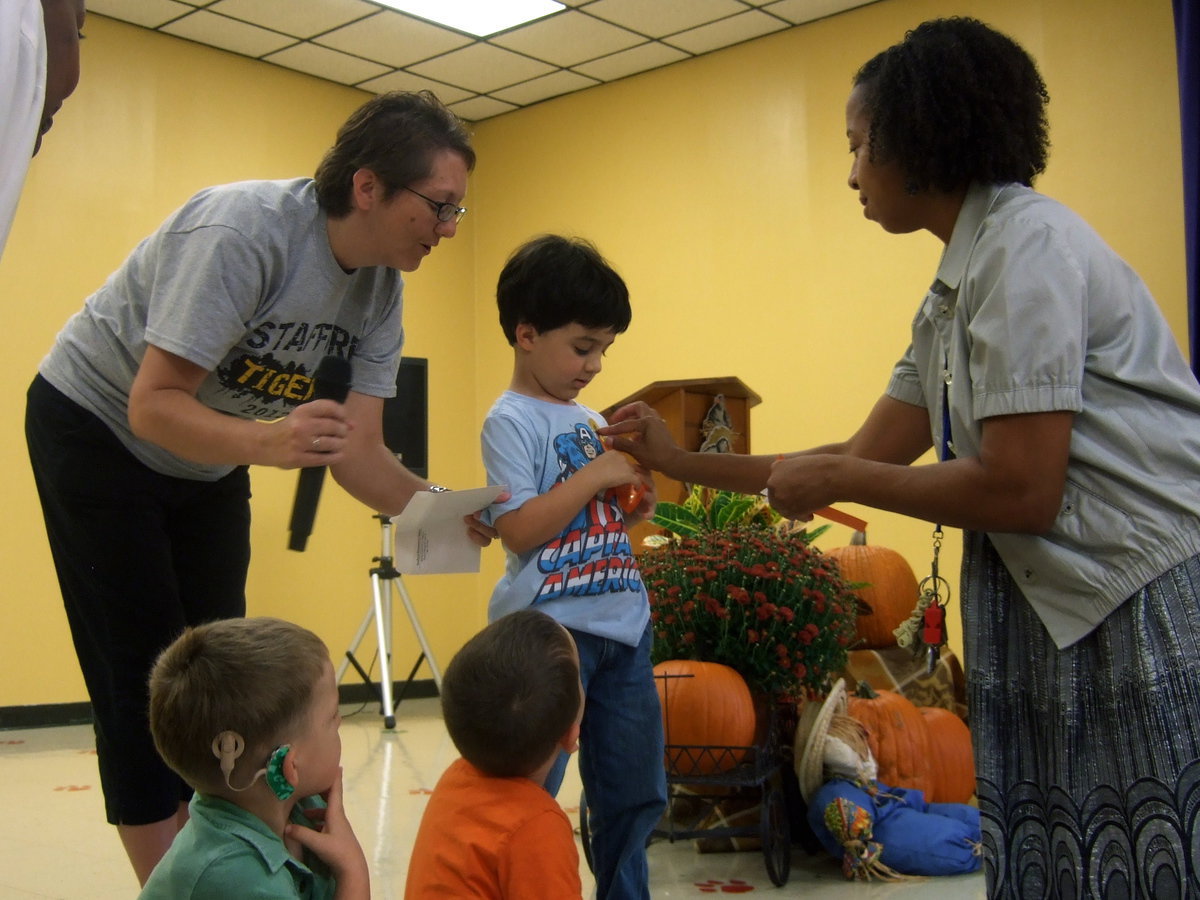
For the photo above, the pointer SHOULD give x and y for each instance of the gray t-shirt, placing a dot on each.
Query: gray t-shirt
(241, 281)
(1032, 312)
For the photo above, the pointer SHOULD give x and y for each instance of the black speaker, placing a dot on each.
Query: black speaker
(406, 416)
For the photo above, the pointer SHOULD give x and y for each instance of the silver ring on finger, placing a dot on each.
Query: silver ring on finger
(316, 444)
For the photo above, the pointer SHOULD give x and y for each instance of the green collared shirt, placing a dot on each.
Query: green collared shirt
(225, 852)
(1032, 312)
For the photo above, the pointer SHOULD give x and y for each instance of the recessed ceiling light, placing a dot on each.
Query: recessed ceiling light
(477, 17)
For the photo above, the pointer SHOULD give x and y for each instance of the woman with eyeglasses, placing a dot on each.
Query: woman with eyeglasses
(195, 360)
(1067, 426)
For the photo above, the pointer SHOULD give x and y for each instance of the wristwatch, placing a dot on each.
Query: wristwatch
(436, 488)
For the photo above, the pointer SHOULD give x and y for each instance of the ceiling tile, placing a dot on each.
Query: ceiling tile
(406, 81)
(326, 63)
(725, 33)
(480, 108)
(650, 55)
(552, 85)
(663, 17)
(228, 34)
(147, 13)
(482, 68)
(299, 19)
(567, 38)
(394, 39)
(800, 11)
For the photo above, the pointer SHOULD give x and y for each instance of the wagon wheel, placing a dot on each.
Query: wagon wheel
(585, 832)
(775, 834)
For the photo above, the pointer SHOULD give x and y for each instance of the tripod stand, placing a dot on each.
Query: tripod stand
(385, 579)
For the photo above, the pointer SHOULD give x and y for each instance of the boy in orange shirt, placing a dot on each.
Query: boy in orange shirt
(512, 701)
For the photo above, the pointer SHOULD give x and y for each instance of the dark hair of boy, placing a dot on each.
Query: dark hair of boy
(954, 103)
(511, 693)
(254, 676)
(396, 136)
(552, 281)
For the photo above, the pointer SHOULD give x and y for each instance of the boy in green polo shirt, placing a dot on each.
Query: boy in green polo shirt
(246, 711)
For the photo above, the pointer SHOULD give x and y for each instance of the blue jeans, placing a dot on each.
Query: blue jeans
(620, 762)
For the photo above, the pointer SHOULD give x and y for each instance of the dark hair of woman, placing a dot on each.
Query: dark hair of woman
(956, 102)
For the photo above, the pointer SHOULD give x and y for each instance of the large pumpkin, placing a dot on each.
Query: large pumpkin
(952, 759)
(898, 736)
(890, 588)
(707, 709)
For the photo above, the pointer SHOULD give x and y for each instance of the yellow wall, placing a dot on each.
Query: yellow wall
(717, 188)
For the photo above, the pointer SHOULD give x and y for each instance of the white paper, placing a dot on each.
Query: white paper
(430, 535)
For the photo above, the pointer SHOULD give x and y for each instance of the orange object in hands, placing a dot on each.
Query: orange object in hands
(628, 496)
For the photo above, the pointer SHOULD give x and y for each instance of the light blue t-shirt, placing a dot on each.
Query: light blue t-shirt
(225, 852)
(587, 577)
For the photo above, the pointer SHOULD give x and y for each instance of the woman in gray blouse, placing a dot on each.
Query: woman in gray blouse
(1067, 425)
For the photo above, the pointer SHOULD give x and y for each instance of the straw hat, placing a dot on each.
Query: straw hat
(811, 731)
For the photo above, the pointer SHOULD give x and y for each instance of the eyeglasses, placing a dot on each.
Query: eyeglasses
(445, 211)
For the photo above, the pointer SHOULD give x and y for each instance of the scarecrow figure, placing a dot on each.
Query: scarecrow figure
(876, 830)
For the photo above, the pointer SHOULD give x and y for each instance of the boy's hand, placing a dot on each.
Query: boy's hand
(478, 530)
(612, 470)
(333, 841)
(648, 502)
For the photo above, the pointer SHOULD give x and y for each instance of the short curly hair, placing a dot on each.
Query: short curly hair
(956, 102)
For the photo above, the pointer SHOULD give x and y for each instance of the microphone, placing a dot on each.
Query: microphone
(331, 381)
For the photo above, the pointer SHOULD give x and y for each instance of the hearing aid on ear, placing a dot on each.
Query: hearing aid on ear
(229, 745)
(276, 780)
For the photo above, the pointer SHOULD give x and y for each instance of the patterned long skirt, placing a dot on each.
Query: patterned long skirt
(1088, 758)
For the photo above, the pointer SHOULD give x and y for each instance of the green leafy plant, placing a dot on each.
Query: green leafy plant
(707, 509)
(737, 585)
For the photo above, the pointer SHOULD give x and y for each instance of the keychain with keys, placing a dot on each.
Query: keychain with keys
(933, 618)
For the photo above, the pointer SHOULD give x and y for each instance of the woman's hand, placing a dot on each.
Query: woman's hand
(800, 485)
(638, 430)
(313, 434)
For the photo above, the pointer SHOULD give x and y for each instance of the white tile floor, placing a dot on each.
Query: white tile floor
(54, 842)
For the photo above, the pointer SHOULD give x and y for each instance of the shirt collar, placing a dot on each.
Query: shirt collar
(975, 208)
(234, 820)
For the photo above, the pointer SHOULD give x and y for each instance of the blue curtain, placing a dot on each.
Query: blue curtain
(1187, 41)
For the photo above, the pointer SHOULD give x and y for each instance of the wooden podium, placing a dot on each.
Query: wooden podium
(683, 405)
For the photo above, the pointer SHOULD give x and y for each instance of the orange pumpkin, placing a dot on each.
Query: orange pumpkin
(953, 761)
(898, 736)
(706, 709)
(890, 590)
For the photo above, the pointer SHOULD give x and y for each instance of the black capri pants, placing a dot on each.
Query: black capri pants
(139, 556)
